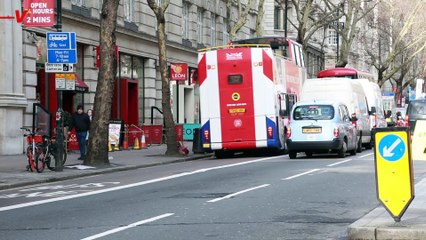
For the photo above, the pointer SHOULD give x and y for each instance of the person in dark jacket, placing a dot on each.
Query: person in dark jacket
(81, 122)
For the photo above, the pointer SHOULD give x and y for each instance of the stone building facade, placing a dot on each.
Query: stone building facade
(191, 25)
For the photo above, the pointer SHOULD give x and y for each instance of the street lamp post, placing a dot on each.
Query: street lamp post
(59, 114)
(285, 18)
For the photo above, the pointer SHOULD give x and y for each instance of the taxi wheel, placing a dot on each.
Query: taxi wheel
(342, 150)
(292, 154)
(353, 152)
(359, 147)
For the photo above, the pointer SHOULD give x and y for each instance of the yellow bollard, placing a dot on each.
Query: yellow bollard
(116, 147)
(109, 146)
(136, 146)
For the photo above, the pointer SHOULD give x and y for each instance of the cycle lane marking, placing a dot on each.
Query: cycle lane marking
(329, 165)
(337, 163)
(238, 193)
(366, 155)
(301, 174)
(132, 225)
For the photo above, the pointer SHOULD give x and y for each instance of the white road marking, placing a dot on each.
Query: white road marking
(22, 205)
(301, 174)
(366, 155)
(115, 230)
(337, 163)
(237, 193)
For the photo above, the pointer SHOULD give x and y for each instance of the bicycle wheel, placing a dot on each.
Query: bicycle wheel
(48, 162)
(51, 158)
(30, 159)
(39, 160)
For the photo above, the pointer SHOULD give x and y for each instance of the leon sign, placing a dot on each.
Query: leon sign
(179, 71)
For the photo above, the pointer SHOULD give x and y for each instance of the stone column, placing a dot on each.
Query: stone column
(12, 98)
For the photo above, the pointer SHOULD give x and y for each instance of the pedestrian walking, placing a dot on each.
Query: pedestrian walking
(81, 122)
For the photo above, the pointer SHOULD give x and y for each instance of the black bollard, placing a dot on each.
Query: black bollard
(196, 142)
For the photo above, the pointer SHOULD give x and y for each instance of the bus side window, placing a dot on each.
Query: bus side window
(283, 105)
(291, 100)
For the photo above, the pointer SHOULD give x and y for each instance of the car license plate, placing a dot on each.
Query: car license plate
(311, 130)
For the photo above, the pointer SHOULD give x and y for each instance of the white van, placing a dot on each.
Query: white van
(346, 91)
(375, 103)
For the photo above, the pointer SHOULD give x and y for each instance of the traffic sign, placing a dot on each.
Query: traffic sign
(58, 67)
(61, 47)
(394, 174)
(65, 81)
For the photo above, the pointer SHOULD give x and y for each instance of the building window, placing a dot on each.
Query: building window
(200, 26)
(213, 30)
(185, 21)
(277, 18)
(332, 37)
(128, 10)
(79, 3)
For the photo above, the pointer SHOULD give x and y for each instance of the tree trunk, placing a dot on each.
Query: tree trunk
(398, 93)
(98, 138)
(259, 18)
(172, 147)
(242, 18)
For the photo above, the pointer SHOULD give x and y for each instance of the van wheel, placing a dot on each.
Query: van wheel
(370, 144)
(342, 150)
(292, 154)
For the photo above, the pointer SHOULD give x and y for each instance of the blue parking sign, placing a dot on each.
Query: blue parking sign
(61, 47)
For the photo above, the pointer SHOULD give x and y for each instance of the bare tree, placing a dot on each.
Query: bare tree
(242, 12)
(98, 143)
(159, 11)
(400, 43)
(310, 18)
(354, 11)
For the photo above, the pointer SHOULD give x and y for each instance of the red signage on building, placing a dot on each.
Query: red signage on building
(98, 56)
(179, 71)
(40, 13)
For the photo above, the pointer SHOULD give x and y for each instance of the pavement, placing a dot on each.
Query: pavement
(13, 171)
(376, 225)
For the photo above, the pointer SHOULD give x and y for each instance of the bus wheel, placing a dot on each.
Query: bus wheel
(222, 154)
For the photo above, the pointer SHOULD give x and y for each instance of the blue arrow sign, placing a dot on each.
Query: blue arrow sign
(392, 148)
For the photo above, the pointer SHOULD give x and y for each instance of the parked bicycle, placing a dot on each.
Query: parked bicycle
(41, 151)
(34, 151)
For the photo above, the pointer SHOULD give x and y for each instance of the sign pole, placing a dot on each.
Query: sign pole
(59, 114)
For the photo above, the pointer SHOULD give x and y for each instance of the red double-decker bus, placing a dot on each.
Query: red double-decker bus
(345, 73)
